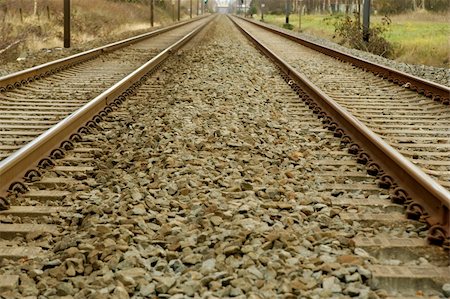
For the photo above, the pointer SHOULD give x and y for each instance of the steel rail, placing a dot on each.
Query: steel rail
(23, 77)
(424, 195)
(430, 89)
(13, 168)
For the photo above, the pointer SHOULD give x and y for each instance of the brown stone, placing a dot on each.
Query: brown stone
(350, 259)
(329, 267)
(295, 156)
(174, 246)
(8, 282)
(289, 174)
(185, 191)
(284, 206)
(298, 285)
(291, 195)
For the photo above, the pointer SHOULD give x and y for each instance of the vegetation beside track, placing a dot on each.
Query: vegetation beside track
(27, 30)
(418, 38)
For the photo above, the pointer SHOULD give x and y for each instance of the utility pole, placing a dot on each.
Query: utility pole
(359, 14)
(66, 23)
(299, 9)
(288, 2)
(262, 11)
(173, 10)
(245, 8)
(366, 20)
(152, 8)
(190, 9)
(178, 10)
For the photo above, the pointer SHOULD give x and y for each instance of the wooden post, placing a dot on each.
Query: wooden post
(152, 14)
(287, 10)
(197, 7)
(21, 15)
(366, 20)
(66, 23)
(48, 12)
(190, 9)
(173, 10)
(179, 11)
(359, 14)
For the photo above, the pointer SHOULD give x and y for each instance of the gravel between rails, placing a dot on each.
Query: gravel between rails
(206, 187)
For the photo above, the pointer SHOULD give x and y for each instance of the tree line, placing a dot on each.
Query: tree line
(349, 6)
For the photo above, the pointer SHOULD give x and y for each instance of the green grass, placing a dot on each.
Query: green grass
(312, 24)
(419, 38)
(421, 42)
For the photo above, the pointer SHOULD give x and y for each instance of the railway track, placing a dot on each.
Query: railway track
(417, 127)
(29, 108)
(33, 100)
(227, 184)
(411, 123)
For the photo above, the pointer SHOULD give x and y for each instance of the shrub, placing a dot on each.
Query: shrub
(350, 32)
(288, 26)
(252, 11)
(276, 12)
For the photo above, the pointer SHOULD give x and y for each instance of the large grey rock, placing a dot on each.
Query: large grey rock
(208, 266)
(120, 293)
(331, 284)
(446, 290)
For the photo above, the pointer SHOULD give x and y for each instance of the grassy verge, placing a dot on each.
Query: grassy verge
(419, 41)
(419, 38)
(311, 24)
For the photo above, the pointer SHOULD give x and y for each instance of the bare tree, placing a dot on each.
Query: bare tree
(35, 7)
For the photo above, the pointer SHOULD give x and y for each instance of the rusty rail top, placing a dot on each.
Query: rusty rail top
(13, 168)
(430, 89)
(418, 186)
(34, 73)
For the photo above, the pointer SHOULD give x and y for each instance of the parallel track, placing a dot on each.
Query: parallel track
(31, 107)
(411, 123)
(436, 92)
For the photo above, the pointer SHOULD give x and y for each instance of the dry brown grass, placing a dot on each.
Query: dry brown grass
(424, 16)
(91, 20)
